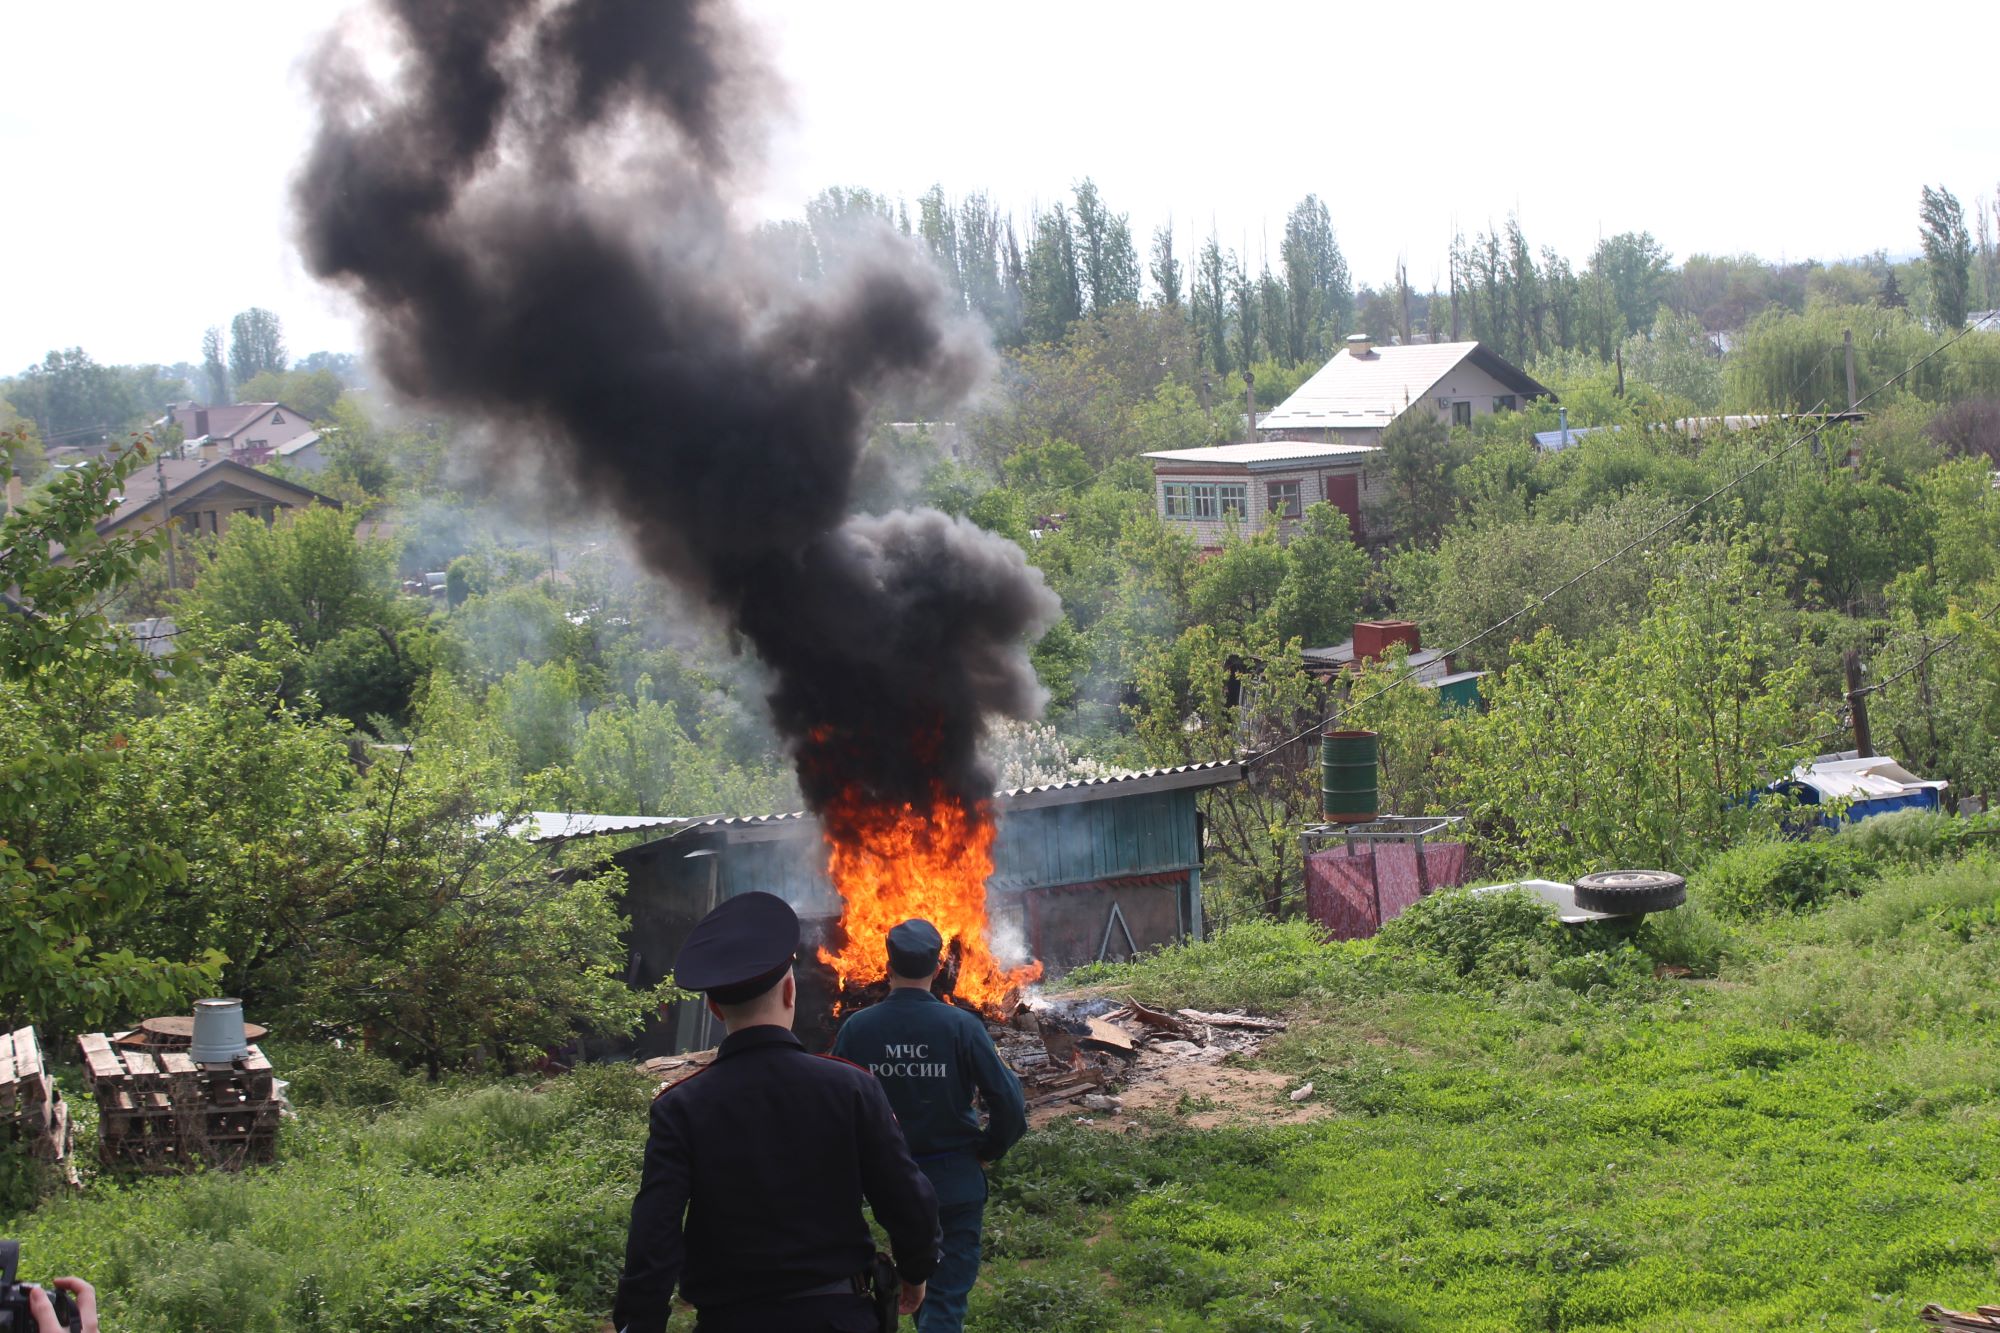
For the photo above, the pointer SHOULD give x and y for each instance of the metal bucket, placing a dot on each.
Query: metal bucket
(1347, 761)
(218, 1032)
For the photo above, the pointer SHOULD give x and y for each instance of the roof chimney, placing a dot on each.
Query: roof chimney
(1360, 345)
(200, 421)
(211, 450)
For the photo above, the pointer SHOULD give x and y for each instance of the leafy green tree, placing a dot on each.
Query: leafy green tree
(539, 709)
(1320, 594)
(306, 571)
(937, 227)
(1165, 269)
(1053, 298)
(73, 399)
(214, 370)
(1238, 586)
(1480, 575)
(1947, 256)
(1676, 357)
(256, 344)
(66, 680)
(978, 235)
(839, 218)
(310, 392)
(1316, 277)
(1211, 306)
(1105, 254)
(1658, 739)
(1184, 716)
(1634, 269)
(1412, 473)
(499, 630)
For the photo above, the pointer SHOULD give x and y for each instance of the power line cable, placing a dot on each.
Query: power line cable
(1543, 600)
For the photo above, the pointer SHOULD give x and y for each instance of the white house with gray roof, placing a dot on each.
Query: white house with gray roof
(1355, 396)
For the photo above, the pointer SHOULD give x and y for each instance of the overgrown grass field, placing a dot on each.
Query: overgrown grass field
(1525, 1129)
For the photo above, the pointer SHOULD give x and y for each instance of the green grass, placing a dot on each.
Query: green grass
(1525, 1130)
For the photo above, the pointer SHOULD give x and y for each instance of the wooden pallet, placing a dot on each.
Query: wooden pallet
(31, 1106)
(158, 1110)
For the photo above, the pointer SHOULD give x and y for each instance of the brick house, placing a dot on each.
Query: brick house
(1257, 486)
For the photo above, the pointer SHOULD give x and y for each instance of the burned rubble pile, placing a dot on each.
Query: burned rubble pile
(1087, 1051)
(1083, 1052)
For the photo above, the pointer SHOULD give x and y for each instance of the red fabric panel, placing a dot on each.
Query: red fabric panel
(1341, 889)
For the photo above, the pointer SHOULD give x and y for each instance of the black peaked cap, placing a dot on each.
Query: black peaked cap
(748, 937)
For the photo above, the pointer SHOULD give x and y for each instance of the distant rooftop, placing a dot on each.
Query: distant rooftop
(1369, 391)
(1268, 453)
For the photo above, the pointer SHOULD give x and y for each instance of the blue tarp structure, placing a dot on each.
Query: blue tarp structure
(1871, 786)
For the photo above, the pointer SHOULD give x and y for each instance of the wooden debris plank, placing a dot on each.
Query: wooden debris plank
(1233, 1021)
(100, 1062)
(1109, 1034)
(1154, 1018)
(54, 1145)
(27, 1054)
(141, 1067)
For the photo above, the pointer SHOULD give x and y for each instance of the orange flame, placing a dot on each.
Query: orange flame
(894, 862)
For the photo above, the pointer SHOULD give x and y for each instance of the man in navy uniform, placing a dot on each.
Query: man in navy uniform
(757, 1166)
(932, 1057)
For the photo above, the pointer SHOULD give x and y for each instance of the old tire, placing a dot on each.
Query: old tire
(1629, 892)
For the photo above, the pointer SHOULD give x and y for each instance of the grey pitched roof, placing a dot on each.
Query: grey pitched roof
(1369, 392)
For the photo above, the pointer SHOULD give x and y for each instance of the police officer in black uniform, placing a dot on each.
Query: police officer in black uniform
(933, 1058)
(757, 1166)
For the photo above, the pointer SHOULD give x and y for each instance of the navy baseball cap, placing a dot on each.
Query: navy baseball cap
(739, 950)
(913, 949)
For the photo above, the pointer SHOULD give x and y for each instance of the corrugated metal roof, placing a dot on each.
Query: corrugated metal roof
(1360, 393)
(1270, 452)
(1213, 774)
(563, 825)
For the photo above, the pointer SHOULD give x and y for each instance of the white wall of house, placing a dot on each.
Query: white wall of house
(1465, 383)
(1258, 488)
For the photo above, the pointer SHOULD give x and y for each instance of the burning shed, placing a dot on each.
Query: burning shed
(1081, 871)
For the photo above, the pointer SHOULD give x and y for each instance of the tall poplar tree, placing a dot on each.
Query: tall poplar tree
(1947, 256)
(1317, 279)
(1108, 262)
(1166, 267)
(1053, 299)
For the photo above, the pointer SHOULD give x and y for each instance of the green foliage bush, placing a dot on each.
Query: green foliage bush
(1760, 878)
(1511, 933)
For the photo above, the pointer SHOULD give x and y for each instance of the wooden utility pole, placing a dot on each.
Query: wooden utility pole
(1250, 403)
(1847, 345)
(166, 517)
(1618, 354)
(1857, 705)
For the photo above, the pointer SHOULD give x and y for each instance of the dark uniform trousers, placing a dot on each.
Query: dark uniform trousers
(933, 1058)
(756, 1171)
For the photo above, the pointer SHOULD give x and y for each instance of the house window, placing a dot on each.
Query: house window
(1179, 502)
(1235, 498)
(1282, 498)
(1204, 499)
(277, 418)
(1503, 402)
(1461, 413)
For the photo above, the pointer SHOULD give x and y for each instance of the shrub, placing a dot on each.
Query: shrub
(1689, 936)
(1760, 878)
(1512, 933)
(1255, 963)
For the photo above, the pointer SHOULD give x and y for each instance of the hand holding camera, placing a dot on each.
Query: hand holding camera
(27, 1308)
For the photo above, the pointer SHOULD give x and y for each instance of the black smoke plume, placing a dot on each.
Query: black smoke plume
(536, 210)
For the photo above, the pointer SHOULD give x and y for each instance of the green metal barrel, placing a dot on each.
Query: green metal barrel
(1347, 775)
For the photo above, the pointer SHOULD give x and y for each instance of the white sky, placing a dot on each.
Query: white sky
(147, 148)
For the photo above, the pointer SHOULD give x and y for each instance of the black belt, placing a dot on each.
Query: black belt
(847, 1286)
